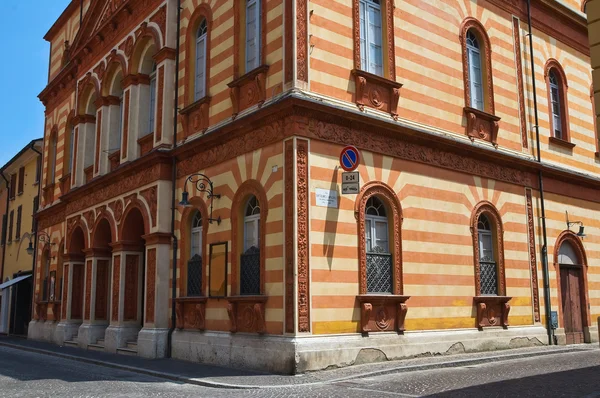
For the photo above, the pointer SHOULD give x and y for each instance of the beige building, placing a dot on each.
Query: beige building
(21, 174)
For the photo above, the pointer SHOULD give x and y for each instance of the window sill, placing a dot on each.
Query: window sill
(146, 143)
(36, 183)
(19, 193)
(482, 125)
(65, 183)
(114, 159)
(376, 92)
(88, 172)
(253, 85)
(194, 117)
(561, 142)
(382, 312)
(191, 312)
(240, 308)
(492, 311)
(48, 193)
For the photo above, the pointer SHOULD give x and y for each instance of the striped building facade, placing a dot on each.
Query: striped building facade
(266, 263)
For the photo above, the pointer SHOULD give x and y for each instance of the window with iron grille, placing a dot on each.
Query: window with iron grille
(194, 268)
(18, 229)
(379, 258)
(487, 259)
(250, 258)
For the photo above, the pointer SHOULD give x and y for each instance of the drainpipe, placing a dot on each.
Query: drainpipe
(80, 13)
(6, 212)
(173, 188)
(547, 304)
(34, 230)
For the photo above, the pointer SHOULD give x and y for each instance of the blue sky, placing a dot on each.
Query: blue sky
(23, 70)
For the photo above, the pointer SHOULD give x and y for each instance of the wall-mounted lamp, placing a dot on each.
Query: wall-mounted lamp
(43, 237)
(202, 184)
(581, 232)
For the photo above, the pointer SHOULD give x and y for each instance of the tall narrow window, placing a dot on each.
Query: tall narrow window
(71, 149)
(487, 257)
(38, 168)
(21, 180)
(379, 258)
(555, 105)
(201, 38)
(253, 36)
(371, 53)
(475, 71)
(250, 259)
(121, 117)
(52, 160)
(194, 267)
(152, 111)
(13, 187)
(4, 226)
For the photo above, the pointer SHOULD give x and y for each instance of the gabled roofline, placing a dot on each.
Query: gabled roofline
(27, 147)
(61, 19)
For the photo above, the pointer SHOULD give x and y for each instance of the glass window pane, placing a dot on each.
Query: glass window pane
(363, 37)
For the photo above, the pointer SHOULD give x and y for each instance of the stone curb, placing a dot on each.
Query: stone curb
(212, 384)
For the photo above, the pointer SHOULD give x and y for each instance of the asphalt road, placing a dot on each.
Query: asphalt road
(27, 374)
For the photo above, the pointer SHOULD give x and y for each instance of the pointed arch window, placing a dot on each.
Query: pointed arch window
(555, 105)
(201, 40)
(70, 164)
(488, 282)
(379, 258)
(250, 258)
(52, 159)
(194, 267)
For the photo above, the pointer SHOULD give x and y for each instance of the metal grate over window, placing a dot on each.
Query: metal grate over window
(194, 276)
(488, 278)
(250, 272)
(379, 271)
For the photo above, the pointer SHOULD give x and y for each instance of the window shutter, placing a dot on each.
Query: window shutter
(21, 179)
(13, 186)
(18, 229)
(4, 221)
(38, 168)
(10, 225)
(71, 149)
(36, 204)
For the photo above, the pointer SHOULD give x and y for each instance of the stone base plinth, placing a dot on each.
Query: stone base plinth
(152, 343)
(118, 336)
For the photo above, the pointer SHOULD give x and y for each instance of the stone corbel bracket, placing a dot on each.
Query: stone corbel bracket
(376, 92)
(492, 311)
(382, 312)
(247, 314)
(482, 125)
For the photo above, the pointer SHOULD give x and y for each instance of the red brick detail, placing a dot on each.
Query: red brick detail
(65, 292)
(101, 306)
(125, 125)
(116, 279)
(303, 235)
(88, 289)
(289, 236)
(131, 287)
(150, 285)
(74, 169)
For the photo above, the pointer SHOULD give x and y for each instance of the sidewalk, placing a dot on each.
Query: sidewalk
(219, 377)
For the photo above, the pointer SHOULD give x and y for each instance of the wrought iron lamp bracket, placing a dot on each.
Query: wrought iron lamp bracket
(201, 183)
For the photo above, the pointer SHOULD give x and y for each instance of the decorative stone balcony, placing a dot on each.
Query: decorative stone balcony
(482, 125)
(247, 314)
(492, 310)
(249, 89)
(191, 312)
(376, 92)
(382, 312)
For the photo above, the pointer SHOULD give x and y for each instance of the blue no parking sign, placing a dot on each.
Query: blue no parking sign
(349, 158)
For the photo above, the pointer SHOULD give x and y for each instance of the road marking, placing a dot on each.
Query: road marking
(396, 394)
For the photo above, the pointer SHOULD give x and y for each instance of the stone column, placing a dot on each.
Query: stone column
(69, 325)
(125, 296)
(152, 340)
(86, 130)
(165, 93)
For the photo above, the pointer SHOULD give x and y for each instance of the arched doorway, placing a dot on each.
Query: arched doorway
(570, 263)
(132, 231)
(76, 259)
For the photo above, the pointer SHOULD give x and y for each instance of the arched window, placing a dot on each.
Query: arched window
(201, 40)
(152, 110)
(253, 36)
(555, 105)
(371, 49)
(488, 247)
(558, 113)
(379, 259)
(194, 268)
(250, 258)
(70, 164)
(475, 71)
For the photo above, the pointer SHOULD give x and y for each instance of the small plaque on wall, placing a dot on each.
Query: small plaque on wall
(218, 270)
(326, 197)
